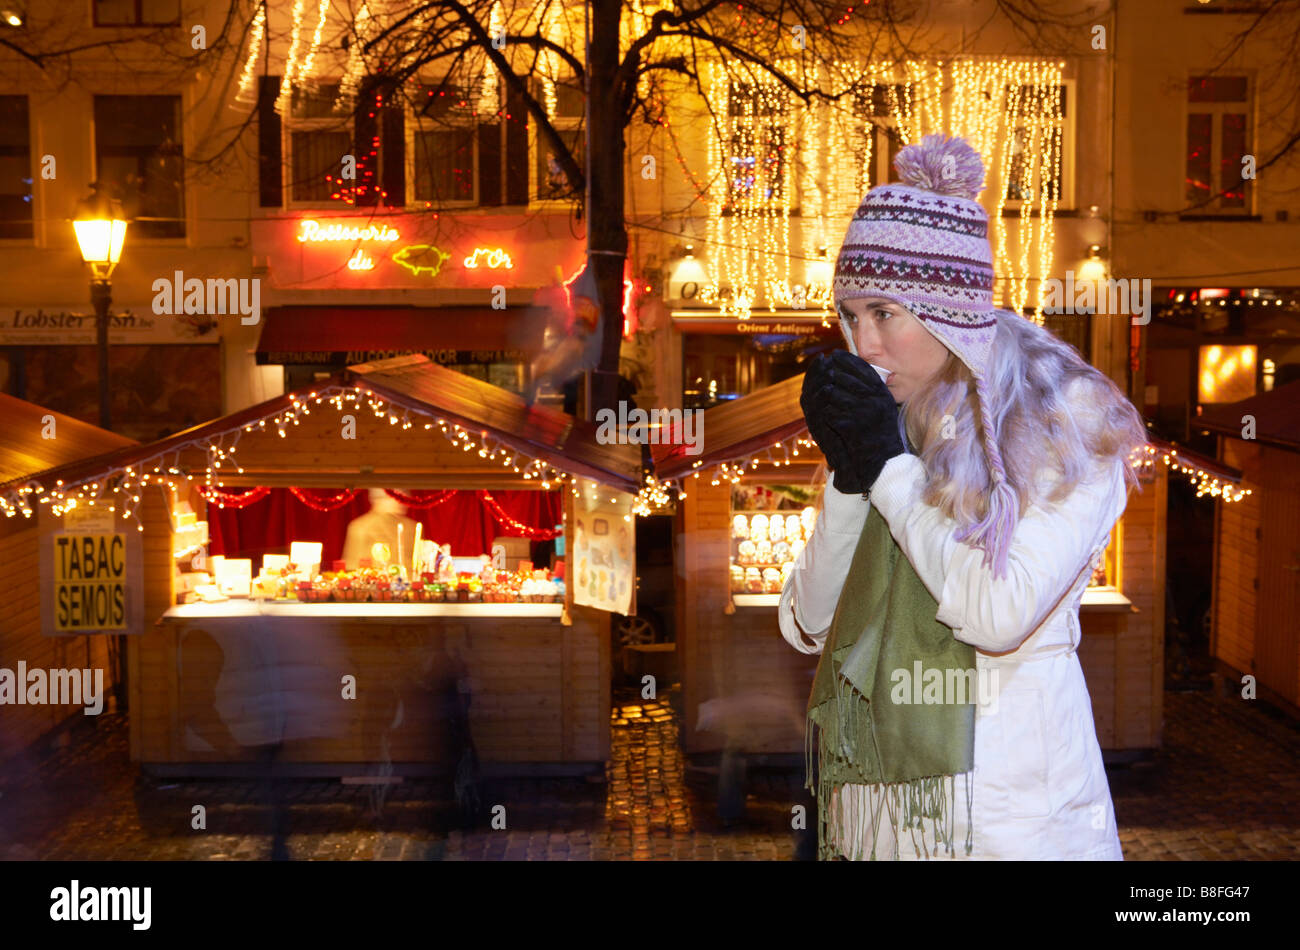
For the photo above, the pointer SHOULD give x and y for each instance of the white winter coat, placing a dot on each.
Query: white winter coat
(1038, 786)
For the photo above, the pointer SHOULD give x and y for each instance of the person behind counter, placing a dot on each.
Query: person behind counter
(378, 525)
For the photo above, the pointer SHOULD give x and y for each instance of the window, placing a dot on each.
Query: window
(874, 106)
(1218, 139)
(139, 160)
(462, 154)
(757, 155)
(137, 12)
(445, 149)
(319, 138)
(567, 120)
(15, 169)
(1036, 135)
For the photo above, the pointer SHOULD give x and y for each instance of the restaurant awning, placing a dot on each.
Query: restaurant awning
(341, 336)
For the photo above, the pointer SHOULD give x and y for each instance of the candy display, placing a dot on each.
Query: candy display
(390, 585)
(764, 547)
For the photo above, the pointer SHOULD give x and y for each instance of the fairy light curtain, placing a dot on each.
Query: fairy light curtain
(764, 140)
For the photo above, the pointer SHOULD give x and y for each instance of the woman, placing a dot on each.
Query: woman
(1020, 470)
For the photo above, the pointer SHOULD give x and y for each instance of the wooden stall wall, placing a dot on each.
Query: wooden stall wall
(1257, 556)
(743, 685)
(21, 639)
(145, 669)
(1236, 565)
(1123, 654)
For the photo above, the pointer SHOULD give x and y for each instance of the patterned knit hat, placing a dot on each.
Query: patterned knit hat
(923, 243)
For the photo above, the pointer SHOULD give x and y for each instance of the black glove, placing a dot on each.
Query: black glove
(852, 417)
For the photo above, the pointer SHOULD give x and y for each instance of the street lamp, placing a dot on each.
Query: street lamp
(100, 229)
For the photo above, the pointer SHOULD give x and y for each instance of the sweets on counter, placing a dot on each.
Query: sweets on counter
(387, 584)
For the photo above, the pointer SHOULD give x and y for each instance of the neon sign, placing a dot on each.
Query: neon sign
(419, 258)
(314, 231)
(361, 261)
(494, 257)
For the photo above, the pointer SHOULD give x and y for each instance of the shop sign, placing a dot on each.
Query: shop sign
(352, 357)
(76, 325)
(91, 579)
(775, 324)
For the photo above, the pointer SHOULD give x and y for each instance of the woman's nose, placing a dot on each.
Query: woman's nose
(868, 341)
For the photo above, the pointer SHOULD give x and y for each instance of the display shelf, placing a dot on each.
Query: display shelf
(1102, 599)
(756, 600)
(246, 608)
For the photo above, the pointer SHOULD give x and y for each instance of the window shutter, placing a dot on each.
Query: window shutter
(489, 164)
(394, 150)
(365, 143)
(516, 150)
(270, 160)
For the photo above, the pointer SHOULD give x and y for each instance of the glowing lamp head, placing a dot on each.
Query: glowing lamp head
(101, 230)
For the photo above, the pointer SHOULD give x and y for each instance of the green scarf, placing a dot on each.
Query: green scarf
(871, 729)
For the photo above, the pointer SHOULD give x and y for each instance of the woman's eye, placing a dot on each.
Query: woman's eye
(881, 314)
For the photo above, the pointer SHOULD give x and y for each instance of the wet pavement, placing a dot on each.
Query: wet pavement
(1226, 785)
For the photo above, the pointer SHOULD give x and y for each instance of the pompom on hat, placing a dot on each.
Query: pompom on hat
(922, 242)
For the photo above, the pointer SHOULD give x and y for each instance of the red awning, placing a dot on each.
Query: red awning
(341, 336)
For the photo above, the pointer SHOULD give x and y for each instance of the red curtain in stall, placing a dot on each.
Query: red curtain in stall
(467, 520)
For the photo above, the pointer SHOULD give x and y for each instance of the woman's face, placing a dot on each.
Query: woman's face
(887, 335)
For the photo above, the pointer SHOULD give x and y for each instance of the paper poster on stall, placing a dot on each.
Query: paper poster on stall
(91, 578)
(603, 559)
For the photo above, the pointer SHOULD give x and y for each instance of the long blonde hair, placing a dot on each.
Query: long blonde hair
(1030, 376)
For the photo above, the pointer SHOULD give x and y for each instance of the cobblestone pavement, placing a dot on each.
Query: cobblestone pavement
(1226, 785)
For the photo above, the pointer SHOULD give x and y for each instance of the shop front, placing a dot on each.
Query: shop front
(723, 358)
(371, 577)
(48, 355)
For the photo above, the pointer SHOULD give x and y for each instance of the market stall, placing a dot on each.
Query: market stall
(746, 689)
(32, 439)
(288, 638)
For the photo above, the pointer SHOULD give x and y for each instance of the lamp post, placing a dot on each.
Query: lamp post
(101, 230)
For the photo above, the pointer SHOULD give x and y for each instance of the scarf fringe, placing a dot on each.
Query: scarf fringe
(848, 812)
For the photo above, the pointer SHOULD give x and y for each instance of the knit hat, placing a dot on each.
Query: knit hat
(923, 243)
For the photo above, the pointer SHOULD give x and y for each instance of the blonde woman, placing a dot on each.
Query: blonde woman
(998, 460)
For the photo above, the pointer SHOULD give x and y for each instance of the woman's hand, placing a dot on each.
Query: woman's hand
(852, 417)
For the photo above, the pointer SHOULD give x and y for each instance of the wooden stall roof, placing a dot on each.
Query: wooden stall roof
(413, 383)
(1277, 416)
(1206, 464)
(739, 428)
(24, 451)
(565, 442)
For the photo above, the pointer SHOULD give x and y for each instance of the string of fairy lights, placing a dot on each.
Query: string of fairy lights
(121, 486)
(1011, 110)
(657, 495)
